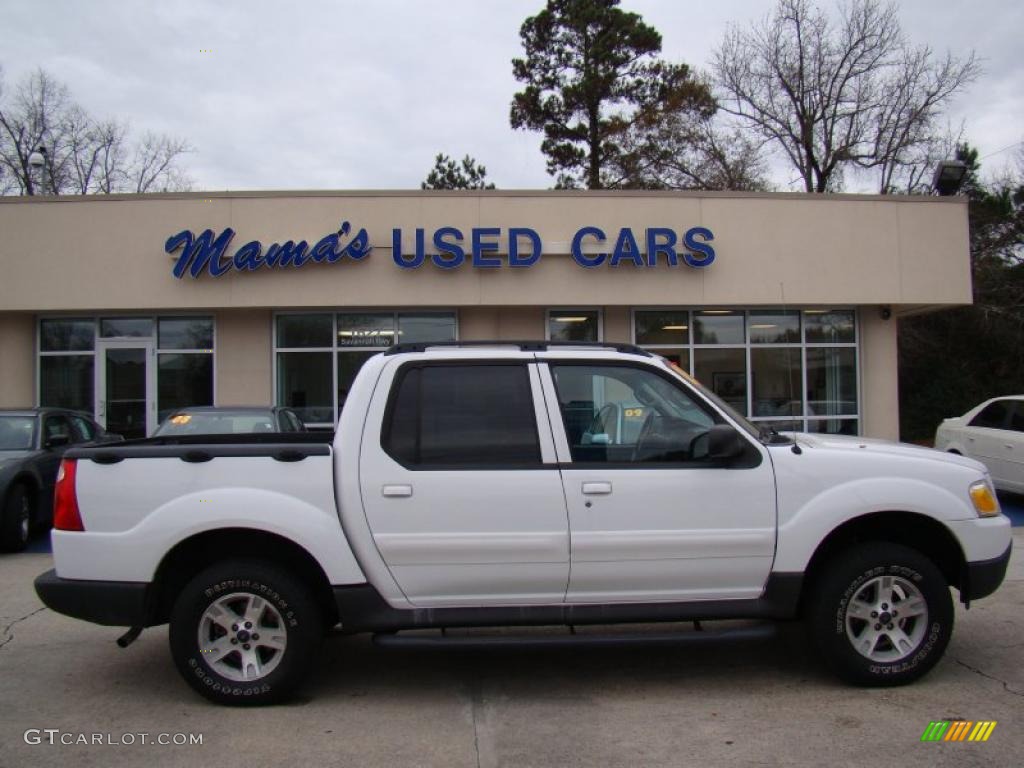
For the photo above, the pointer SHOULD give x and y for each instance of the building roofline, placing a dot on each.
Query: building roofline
(486, 193)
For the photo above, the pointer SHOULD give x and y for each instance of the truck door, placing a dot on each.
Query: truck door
(652, 518)
(460, 483)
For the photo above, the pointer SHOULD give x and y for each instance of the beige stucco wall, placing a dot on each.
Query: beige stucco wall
(243, 357)
(771, 249)
(17, 360)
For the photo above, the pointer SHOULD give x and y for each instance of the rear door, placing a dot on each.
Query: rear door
(652, 517)
(460, 485)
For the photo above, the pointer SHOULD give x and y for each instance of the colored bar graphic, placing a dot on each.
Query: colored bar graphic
(958, 730)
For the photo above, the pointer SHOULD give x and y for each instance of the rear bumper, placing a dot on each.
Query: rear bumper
(983, 577)
(111, 603)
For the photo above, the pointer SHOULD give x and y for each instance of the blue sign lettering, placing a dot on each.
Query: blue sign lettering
(208, 251)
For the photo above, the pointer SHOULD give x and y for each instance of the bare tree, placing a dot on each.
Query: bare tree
(832, 96)
(80, 154)
(672, 149)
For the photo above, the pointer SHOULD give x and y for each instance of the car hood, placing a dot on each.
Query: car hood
(875, 446)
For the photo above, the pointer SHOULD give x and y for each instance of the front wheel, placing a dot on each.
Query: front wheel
(881, 615)
(244, 632)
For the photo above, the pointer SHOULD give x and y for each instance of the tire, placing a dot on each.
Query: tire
(858, 584)
(210, 613)
(16, 519)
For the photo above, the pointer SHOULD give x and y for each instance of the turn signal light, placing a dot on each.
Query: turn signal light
(984, 499)
(66, 516)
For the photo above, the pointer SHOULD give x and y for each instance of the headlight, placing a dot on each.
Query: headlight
(984, 499)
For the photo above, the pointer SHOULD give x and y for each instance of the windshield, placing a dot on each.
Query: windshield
(16, 433)
(205, 423)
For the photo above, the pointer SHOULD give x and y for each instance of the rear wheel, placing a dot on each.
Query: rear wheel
(245, 632)
(16, 522)
(882, 614)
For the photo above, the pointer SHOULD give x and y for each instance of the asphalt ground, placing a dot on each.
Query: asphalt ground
(752, 703)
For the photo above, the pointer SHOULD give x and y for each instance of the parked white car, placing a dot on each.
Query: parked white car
(992, 433)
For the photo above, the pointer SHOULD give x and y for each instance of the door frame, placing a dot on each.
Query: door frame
(100, 405)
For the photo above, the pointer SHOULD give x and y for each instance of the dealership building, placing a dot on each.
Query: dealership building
(129, 306)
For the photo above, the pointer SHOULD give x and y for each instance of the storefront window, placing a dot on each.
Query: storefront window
(718, 326)
(185, 333)
(318, 354)
(66, 381)
(829, 327)
(574, 325)
(831, 381)
(304, 331)
(123, 347)
(126, 327)
(183, 380)
(60, 335)
(768, 327)
(670, 328)
(802, 372)
(776, 381)
(304, 384)
(724, 371)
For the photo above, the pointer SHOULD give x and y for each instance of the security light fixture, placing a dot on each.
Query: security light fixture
(949, 175)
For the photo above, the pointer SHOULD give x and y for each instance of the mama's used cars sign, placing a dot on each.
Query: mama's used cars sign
(445, 248)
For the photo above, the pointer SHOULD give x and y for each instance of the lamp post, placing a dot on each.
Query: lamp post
(949, 175)
(37, 164)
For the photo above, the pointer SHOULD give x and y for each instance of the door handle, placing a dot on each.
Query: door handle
(1008, 445)
(595, 488)
(396, 491)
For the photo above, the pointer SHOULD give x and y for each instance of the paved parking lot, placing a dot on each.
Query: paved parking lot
(758, 703)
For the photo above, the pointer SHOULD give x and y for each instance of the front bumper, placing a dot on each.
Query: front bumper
(982, 577)
(111, 603)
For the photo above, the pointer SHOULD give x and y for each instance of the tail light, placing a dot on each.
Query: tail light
(66, 516)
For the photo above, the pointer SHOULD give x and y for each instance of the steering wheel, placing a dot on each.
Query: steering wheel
(645, 432)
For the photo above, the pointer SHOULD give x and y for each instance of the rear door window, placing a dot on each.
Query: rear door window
(462, 416)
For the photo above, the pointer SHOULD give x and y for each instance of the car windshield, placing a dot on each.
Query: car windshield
(214, 423)
(16, 432)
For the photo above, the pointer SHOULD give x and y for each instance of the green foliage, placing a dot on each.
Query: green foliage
(447, 174)
(589, 68)
(952, 360)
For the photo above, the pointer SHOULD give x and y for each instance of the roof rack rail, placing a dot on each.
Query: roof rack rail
(525, 346)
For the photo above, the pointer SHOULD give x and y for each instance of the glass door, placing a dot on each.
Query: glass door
(126, 387)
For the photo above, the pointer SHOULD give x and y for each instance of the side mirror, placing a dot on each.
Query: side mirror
(58, 441)
(724, 442)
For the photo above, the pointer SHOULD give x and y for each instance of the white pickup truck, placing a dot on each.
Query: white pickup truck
(520, 483)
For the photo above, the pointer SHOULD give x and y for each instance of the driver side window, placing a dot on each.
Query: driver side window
(616, 414)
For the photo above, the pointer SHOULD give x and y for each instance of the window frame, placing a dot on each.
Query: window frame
(1009, 405)
(398, 377)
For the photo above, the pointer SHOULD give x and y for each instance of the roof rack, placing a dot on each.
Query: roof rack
(525, 346)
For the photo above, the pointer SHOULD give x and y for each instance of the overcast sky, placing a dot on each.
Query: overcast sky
(303, 94)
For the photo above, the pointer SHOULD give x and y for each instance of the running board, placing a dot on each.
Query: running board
(689, 638)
